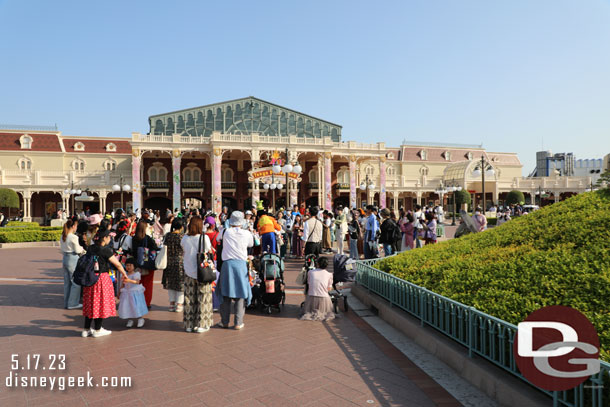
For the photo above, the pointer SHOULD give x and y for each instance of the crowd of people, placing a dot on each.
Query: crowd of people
(125, 245)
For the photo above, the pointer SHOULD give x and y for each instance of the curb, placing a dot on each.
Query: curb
(26, 245)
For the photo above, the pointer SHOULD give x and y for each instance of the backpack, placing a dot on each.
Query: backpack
(84, 274)
(272, 267)
(395, 233)
(145, 258)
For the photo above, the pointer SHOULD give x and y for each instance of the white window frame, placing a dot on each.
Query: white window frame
(157, 169)
(111, 147)
(110, 165)
(25, 164)
(79, 146)
(26, 142)
(343, 176)
(78, 164)
(227, 174)
(423, 154)
(313, 176)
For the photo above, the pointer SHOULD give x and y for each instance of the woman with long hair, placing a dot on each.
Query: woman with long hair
(297, 237)
(70, 249)
(147, 271)
(198, 309)
(173, 275)
(98, 299)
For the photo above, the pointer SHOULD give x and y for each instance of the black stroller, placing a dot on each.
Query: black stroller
(343, 272)
(269, 293)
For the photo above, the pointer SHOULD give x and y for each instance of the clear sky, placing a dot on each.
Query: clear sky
(508, 74)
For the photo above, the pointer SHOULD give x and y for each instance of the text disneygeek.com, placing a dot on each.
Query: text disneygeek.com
(21, 364)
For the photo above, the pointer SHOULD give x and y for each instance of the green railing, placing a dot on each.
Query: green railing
(482, 334)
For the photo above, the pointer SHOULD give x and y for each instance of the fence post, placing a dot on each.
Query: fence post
(470, 330)
(421, 306)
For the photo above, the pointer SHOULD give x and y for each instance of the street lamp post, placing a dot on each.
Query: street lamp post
(367, 184)
(485, 167)
(121, 186)
(453, 188)
(276, 169)
(71, 191)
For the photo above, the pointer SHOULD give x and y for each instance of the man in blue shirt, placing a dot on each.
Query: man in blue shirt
(370, 235)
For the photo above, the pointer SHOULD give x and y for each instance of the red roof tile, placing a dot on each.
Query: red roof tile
(40, 141)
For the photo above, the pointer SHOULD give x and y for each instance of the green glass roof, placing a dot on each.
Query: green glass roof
(243, 116)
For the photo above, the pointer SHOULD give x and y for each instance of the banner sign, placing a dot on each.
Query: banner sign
(267, 172)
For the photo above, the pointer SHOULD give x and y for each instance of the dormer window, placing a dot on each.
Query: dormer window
(469, 156)
(26, 142)
(79, 146)
(390, 156)
(423, 154)
(111, 147)
(447, 155)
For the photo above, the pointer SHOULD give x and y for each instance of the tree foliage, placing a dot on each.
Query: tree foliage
(515, 197)
(462, 197)
(8, 198)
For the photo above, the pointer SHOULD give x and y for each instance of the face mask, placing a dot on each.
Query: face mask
(477, 213)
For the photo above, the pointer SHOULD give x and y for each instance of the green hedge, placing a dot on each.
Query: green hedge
(558, 255)
(492, 221)
(29, 235)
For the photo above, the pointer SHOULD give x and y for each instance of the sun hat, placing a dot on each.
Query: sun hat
(95, 219)
(237, 218)
(249, 213)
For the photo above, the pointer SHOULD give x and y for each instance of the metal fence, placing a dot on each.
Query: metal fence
(482, 334)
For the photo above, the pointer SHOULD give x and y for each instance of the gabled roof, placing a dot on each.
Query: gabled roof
(249, 98)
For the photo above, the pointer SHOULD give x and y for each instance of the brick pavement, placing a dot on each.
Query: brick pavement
(276, 360)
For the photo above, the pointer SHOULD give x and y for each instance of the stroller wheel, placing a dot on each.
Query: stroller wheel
(268, 310)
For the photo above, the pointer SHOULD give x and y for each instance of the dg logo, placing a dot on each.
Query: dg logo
(556, 348)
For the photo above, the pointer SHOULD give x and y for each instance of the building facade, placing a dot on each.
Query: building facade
(209, 156)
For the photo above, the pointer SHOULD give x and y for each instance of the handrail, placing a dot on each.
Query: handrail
(483, 334)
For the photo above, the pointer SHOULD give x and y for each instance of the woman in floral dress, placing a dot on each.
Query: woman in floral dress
(173, 275)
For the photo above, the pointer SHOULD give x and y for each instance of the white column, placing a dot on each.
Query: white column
(395, 198)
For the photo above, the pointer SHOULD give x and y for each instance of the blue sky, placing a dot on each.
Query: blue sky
(507, 74)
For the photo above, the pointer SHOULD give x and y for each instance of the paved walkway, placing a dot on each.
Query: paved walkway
(276, 360)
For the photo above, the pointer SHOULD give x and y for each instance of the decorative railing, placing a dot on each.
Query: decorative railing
(482, 334)
(157, 184)
(192, 184)
(342, 186)
(312, 185)
(229, 185)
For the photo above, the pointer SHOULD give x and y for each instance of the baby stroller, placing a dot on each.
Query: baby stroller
(270, 290)
(343, 272)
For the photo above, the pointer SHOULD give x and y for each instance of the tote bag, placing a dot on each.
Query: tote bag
(205, 272)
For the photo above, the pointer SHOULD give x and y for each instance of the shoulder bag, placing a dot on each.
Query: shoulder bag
(205, 272)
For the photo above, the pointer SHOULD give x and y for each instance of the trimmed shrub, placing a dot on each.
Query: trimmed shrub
(462, 197)
(557, 255)
(8, 198)
(492, 221)
(515, 197)
(19, 224)
(29, 235)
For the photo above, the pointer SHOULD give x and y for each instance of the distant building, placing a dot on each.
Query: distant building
(547, 163)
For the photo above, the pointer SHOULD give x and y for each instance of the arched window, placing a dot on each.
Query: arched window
(157, 172)
(390, 170)
(313, 176)
(369, 170)
(24, 164)
(109, 165)
(343, 176)
(227, 174)
(78, 165)
(26, 142)
(191, 173)
(423, 171)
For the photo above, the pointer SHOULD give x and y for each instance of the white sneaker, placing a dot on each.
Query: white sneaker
(129, 323)
(77, 307)
(140, 322)
(86, 333)
(239, 327)
(189, 330)
(201, 330)
(101, 332)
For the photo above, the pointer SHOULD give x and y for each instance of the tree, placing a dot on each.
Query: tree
(604, 178)
(462, 197)
(515, 197)
(8, 199)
